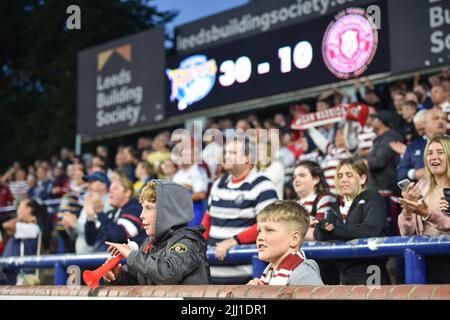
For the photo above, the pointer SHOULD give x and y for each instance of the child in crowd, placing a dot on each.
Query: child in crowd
(282, 227)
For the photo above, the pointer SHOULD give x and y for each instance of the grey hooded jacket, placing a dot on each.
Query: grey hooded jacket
(178, 254)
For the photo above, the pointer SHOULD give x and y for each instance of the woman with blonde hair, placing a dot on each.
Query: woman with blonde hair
(357, 213)
(424, 205)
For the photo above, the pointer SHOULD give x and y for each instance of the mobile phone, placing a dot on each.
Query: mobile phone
(447, 198)
(403, 184)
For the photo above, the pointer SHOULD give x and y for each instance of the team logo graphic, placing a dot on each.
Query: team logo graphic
(179, 248)
(192, 81)
(350, 43)
(239, 199)
(123, 51)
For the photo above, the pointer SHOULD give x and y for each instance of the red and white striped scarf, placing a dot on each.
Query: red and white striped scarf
(281, 274)
(345, 208)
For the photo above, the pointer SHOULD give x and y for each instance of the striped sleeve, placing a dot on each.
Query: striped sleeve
(266, 194)
(323, 206)
(131, 224)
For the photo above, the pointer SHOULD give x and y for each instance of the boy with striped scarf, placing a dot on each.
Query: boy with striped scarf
(282, 227)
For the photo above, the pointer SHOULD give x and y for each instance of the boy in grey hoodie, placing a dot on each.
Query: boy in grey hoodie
(282, 226)
(173, 252)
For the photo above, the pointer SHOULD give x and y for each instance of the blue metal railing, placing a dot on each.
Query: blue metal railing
(413, 249)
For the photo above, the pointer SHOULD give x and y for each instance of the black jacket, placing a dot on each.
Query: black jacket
(365, 219)
(178, 253)
(383, 162)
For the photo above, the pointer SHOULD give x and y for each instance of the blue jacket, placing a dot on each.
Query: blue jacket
(127, 225)
(412, 159)
(12, 249)
(42, 191)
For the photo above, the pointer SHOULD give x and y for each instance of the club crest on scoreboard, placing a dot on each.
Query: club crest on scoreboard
(192, 81)
(350, 43)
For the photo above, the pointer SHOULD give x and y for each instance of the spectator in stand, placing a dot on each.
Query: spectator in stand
(228, 129)
(298, 143)
(366, 135)
(408, 131)
(29, 234)
(412, 166)
(19, 186)
(159, 154)
(70, 205)
(421, 90)
(6, 198)
(195, 179)
(269, 167)
(173, 253)
(235, 200)
(424, 216)
(268, 124)
(314, 195)
(116, 225)
(143, 143)
(328, 130)
(419, 122)
(412, 96)
(98, 184)
(336, 97)
(131, 159)
(371, 97)
(78, 183)
(282, 227)
(382, 160)
(99, 161)
(64, 156)
(61, 184)
(117, 174)
(439, 96)
(332, 154)
(357, 213)
(103, 152)
(212, 154)
(243, 124)
(44, 187)
(280, 121)
(168, 169)
(32, 184)
(144, 174)
(284, 155)
(398, 99)
(419, 125)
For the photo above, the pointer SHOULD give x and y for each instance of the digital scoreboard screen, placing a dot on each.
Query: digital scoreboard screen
(275, 62)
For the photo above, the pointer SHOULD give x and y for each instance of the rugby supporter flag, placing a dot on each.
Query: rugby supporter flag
(353, 112)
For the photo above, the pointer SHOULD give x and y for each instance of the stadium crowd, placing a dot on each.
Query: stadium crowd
(344, 175)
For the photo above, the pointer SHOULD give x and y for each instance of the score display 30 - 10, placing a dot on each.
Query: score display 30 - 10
(284, 60)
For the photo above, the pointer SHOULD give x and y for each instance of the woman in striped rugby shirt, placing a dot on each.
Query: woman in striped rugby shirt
(313, 192)
(312, 189)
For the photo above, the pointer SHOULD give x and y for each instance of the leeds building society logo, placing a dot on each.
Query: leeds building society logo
(350, 43)
(192, 81)
(123, 51)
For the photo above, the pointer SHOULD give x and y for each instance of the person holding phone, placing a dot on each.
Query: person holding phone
(357, 213)
(428, 216)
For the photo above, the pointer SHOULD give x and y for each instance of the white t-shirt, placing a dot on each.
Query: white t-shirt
(212, 155)
(194, 176)
(275, 172)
